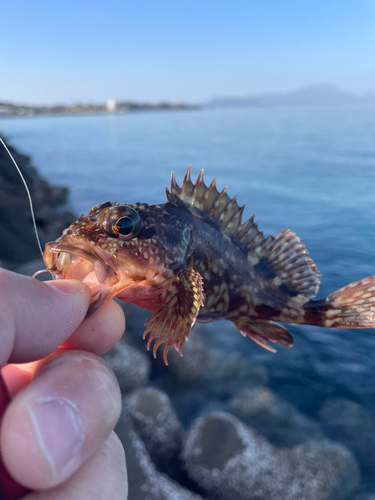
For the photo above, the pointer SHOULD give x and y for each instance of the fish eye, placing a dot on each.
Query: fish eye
(122, 221)
(124, 226)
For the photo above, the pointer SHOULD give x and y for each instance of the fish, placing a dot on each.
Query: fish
(192, 259)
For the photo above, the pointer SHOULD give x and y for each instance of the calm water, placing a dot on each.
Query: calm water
(312, 171)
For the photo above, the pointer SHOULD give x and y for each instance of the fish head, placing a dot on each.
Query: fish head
(115, 247)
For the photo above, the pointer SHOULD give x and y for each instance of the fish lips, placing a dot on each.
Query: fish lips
(67, 261)
(71, 262)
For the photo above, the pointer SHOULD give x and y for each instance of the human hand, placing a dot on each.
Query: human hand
(56, 434)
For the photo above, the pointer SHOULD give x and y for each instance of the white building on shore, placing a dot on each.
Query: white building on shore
(111, 105)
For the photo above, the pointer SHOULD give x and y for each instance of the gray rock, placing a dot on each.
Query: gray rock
(156, 422)
(324, 470)
(191, 402)
(16, 229)
(212, 405)
(145, 481)
(229, 460)
(136, 316)
(135, 324)
(190, 367)
(353, 425)
(131, 366)
(225, 373)
(274, 417)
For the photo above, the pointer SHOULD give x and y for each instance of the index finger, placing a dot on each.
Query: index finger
(36, 317)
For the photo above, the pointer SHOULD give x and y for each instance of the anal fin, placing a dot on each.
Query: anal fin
(263, 332)
(172, 323)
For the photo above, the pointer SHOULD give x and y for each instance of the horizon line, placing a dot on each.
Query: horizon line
(153, 102)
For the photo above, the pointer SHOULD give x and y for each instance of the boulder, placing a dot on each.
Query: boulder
(190, 401)
(190, 367)
(227, 372)
(131, 366)
(353, 425)
(135, 325)
(145, 481)
(273, 417)
(156, 422)
(229, 460)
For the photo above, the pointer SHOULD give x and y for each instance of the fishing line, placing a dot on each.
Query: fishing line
(28, 194)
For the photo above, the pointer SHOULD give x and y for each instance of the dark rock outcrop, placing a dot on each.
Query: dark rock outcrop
(17, 237)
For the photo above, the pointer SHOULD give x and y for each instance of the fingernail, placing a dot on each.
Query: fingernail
(58, 431)
(72, 287)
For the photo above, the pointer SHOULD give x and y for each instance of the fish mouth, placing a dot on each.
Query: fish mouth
(71, 262)
(68, 260)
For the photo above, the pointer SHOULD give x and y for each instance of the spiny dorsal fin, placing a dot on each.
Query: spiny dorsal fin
(207, 202)
(283, 254)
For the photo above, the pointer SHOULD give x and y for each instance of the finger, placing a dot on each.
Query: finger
(101, 331)
(37, 317)
(54, 424)
(102, 476)
(8, 487)
(16, 377)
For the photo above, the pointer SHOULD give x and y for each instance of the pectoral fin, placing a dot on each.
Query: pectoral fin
(172, 323)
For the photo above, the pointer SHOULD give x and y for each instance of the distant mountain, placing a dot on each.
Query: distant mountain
(315, 95)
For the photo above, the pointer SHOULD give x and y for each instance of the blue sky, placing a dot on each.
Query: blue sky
(89, 51)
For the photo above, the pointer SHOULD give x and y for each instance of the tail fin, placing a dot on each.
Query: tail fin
(352, 306)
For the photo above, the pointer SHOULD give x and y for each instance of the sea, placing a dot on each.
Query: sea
(308, 170)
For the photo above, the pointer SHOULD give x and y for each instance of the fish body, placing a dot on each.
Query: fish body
(192, 259)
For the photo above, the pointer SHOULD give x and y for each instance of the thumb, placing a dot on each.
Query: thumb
(37, 317)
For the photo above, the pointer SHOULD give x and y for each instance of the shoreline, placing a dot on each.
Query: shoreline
(19, 111)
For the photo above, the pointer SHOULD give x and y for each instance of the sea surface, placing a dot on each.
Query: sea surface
(309, 170)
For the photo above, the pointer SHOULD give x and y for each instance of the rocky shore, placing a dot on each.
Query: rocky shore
(208, 426)
(17, 238)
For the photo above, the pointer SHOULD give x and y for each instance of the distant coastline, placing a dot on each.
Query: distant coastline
(110, 107)
(313, 96)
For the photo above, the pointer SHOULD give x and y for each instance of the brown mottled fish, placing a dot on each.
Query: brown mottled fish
(192, 259)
